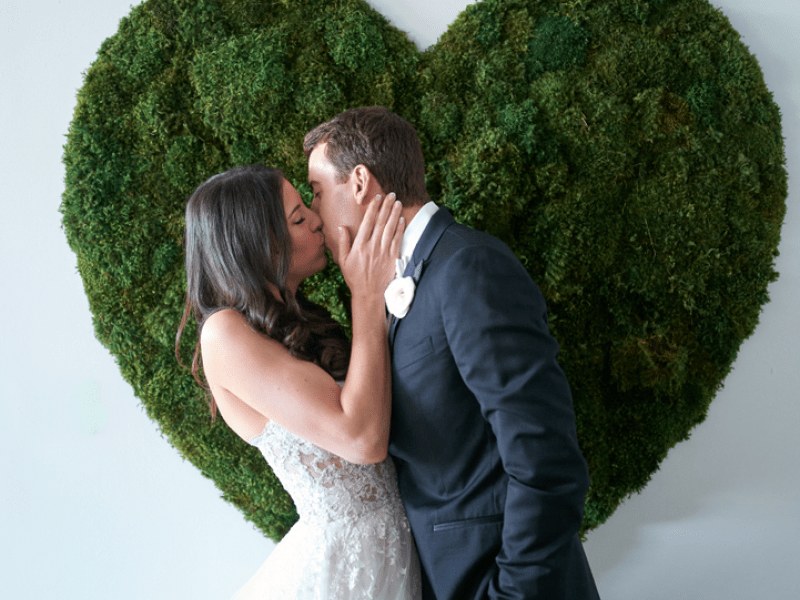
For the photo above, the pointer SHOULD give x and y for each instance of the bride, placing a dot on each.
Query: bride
(275, 364)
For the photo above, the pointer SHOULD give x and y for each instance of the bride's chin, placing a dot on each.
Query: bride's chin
(323, 261)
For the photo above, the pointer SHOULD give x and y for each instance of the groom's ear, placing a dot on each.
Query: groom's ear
(365, 186)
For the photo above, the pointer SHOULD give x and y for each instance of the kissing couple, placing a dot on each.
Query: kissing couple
(435, 455)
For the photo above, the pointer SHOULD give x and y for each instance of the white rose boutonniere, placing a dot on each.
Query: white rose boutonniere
(400, 292)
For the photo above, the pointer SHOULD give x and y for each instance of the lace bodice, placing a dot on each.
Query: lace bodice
(324, 486)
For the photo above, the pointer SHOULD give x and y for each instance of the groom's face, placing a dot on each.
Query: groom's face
(334, 201)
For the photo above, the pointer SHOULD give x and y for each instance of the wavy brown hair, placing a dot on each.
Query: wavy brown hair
(238, 249)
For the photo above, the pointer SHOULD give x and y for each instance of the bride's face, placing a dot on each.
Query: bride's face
(308, 241)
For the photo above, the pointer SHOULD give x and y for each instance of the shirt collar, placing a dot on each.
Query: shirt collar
(415, 229)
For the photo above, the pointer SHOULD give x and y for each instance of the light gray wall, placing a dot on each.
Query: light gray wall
(96, 505)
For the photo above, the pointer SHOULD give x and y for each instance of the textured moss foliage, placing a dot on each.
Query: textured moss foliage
(627, 151)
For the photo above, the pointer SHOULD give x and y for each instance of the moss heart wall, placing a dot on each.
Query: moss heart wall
(627, 151)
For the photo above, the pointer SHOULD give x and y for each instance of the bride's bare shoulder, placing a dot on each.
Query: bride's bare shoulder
(222, 324)
(227, 333)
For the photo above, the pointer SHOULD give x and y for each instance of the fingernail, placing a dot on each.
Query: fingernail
(402, 219)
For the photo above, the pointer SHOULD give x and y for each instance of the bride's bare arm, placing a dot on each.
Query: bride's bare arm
(352, 422)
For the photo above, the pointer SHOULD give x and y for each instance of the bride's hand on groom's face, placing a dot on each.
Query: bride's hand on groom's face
(368, 264)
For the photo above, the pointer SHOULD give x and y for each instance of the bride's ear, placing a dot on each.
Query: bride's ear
(365, 186)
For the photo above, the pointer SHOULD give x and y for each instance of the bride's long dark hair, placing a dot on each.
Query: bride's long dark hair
(238, 249)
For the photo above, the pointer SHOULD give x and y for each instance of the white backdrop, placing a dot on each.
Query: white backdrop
(96, 505)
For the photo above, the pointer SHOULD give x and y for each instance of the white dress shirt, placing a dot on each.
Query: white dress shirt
(411, 236)
(414, 231)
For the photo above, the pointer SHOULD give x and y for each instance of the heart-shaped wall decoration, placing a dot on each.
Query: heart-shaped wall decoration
(628, 151)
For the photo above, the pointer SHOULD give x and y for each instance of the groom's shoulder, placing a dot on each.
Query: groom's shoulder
(458, 236)
(462, 249)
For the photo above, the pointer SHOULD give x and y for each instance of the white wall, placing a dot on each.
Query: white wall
(96, 505)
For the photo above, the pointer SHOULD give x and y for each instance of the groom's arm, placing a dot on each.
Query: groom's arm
(497, 329)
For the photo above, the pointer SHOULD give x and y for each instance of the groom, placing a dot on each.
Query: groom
(483, 430)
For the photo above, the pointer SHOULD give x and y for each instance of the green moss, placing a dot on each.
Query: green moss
(355, 41)
(628, 151)
(556, 43)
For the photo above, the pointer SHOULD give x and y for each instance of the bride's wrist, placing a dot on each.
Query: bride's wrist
(367, 301)
(368, 307)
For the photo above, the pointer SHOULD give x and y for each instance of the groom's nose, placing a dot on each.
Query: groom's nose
(316, 223)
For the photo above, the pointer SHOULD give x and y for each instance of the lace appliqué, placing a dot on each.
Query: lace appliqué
(325, 487)
(352, 540)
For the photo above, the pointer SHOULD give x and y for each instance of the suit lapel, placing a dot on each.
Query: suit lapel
(440, 221)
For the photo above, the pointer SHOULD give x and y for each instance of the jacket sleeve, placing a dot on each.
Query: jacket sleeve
(496, 324)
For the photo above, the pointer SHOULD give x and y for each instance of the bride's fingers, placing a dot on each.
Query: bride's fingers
(385, 212)
(390, 229)
(343, 243)
(365, 230)
(397, 239)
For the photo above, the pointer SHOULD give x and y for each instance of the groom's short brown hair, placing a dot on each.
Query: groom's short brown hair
(380, 140)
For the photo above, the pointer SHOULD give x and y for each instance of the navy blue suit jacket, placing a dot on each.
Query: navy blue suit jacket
(483, 429)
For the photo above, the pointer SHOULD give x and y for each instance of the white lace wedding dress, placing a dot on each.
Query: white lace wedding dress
(352, 540)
